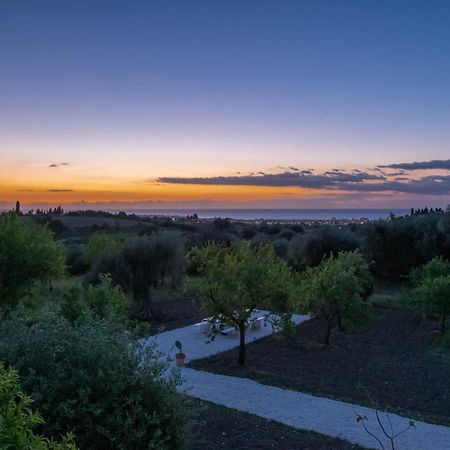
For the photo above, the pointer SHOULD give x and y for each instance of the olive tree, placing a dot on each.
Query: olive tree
(143, 265)
(234, 281)
(336, 289)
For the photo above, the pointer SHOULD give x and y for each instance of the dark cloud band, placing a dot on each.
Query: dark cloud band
(435, 164)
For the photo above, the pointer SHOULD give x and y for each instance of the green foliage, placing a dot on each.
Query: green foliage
(144, 264)
(281, 248)
(432, 288)
(308, 250)
(99, 245)
(437, 267)
(27, 253)
(235, 280)
(336, 288)
(17, 420)
(104, 300)
(89, 379)
(399, 245)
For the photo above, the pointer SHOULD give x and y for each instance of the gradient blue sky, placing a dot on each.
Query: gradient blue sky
(144, 101)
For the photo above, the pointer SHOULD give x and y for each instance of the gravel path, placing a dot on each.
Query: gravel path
(196, 345)
(306, 412)
(298, 410)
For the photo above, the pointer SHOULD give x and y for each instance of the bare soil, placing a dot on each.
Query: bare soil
(216, 427)
(392, 364)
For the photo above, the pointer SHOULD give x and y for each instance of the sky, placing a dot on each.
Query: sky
(219, 103)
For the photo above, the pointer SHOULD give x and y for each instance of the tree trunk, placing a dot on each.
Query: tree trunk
(241, 357)
(339, 320)
(328, 335)
(444, 320)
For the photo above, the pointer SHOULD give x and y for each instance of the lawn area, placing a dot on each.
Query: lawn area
(391, 364)
(212, 426)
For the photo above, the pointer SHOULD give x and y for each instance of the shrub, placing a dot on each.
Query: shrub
(104, 300)
(18, 421)
(27, 253)
(87, 378)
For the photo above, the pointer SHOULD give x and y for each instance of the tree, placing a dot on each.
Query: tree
(27, 253)
(437, 267)
(89, 378)
(432, 288)
(308, 250)
(99, 245)
(336, 288)
(235, 280)
(17, 420)
(142, 265)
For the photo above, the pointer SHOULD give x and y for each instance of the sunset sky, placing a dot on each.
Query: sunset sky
(222, 103)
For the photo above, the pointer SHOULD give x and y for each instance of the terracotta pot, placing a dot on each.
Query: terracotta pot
(179, 359)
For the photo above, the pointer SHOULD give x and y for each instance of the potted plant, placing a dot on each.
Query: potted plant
(180, 356)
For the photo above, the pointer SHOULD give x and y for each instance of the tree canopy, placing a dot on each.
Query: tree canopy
(433, 288)
(336, 288)
(234, 281)
(27, 253)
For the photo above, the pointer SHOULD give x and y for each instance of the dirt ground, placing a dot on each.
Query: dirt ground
(216, 427)
(391, 364)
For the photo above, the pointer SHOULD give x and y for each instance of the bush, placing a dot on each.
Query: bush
(27, 253)
(18, 421)
(88, 379)
(103, 300)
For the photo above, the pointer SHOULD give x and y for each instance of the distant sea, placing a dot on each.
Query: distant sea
(278, 214)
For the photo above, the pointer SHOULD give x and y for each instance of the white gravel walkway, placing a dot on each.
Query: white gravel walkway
(296, 409)
(196, 345)
(306, 412)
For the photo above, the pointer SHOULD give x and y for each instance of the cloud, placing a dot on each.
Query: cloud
(302, 179)
(334, 180)
(433, 164)
(54, 165)
(60, 190)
